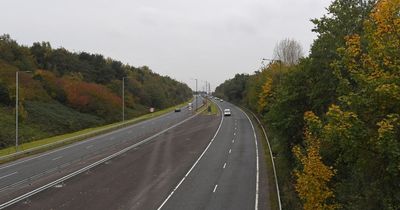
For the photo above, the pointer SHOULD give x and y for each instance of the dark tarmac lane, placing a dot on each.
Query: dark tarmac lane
(207, 162)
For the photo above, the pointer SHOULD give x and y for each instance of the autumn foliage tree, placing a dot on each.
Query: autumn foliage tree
(313, 178)
(90, 97)
(351, 80)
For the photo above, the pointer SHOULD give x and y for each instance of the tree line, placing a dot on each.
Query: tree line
(76, 82)
(334, 116)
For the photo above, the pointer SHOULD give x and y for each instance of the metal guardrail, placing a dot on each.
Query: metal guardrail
(86, 168)
(55, 144)
(67, 140)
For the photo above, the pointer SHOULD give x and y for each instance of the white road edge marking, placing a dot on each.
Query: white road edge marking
(224, 165)
(56, 158)
(215, 188)
(257, 161)
(195, 163)
(273, 162)
(62, 179)
(91, 139)
(2, 177)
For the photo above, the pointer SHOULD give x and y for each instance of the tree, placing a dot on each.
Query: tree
(313, 178)
(288, 51)
(368, 71)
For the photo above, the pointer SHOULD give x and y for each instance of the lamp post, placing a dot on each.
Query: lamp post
(16, 108)
(274, 60)
(123, 99)
(196, 96)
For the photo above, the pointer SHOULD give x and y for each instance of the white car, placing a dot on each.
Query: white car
(227, 112)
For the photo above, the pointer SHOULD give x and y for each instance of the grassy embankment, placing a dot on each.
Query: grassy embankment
(60, 140)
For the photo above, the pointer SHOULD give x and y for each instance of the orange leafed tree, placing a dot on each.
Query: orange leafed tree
(90, 97)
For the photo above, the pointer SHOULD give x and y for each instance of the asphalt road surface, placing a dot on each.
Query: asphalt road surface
(22, 173)
(206, 162)
(226, 177)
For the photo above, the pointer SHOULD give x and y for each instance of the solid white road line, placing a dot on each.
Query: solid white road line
(2, 177)
(215, 188)
(272, 160)
(59, 157)
(84, 141)
(257, 161)
(62, 179)
(195, 163)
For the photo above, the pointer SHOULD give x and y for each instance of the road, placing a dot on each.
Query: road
(206, 162)
(22, 173)
(226, 177)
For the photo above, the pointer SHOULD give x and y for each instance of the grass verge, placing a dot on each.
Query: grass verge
(273, 197)
(34, 147)
(212, 108)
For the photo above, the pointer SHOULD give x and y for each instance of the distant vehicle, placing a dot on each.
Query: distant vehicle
(222, 100)
(227, 112)
(177, 109)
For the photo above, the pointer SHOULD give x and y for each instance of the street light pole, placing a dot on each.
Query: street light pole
(16, 110)
(196, 95)
(274, 60)
(123, 99)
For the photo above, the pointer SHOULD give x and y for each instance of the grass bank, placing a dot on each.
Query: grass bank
(34, 147)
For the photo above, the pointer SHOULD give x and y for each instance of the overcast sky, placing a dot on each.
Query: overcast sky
(206, 39)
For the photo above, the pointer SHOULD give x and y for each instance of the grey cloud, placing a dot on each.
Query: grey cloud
(209, 39)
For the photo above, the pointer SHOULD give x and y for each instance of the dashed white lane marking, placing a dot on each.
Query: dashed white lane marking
(233, 140)
(224, 165)
(59, 157)
(234, 134)
(230, 150)
(2, 177)
(215, 188)
(90, 146)
(194, 165)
